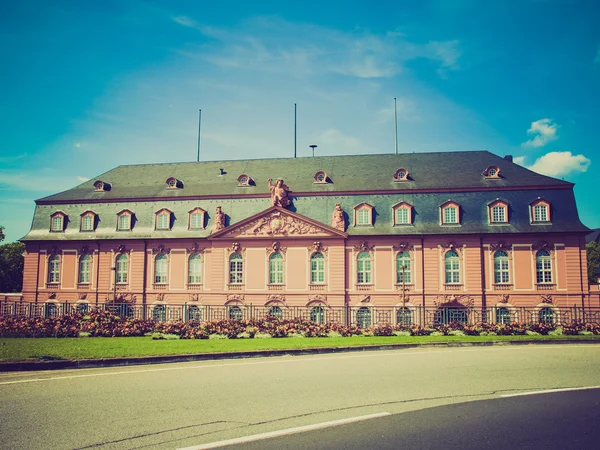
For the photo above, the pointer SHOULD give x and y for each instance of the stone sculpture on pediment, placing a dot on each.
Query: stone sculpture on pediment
(279, 193)
(317, 247)
(219, 220)
(276, 223)
(337, 221)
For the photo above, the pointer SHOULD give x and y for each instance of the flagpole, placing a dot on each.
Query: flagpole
(199, 129)
(295, 135)
(396, 124)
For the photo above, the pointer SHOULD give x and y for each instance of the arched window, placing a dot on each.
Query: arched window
(159, 313)
(50, 310)
(543, 267)
(363, 268)
(160, 269)
(276, 268)
(317, 268)
(317, 314)
(122, 269)
(501, 273)
(235, 313)
(195, 269)
(84, 269)
(236, 268)
(276, 311)
(403, 268)
(503, 315)
(363, 317)
(546, 315)
(452, 267)
(54, 269)
(194, 313)
(404, 317)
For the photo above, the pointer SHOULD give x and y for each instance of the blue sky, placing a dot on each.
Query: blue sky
(87, 86)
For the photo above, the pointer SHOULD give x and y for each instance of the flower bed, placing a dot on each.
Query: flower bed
(108, 324)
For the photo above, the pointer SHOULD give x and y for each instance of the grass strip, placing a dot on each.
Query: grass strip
(27, 349)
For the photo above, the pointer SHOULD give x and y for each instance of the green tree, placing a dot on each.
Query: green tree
(11, 267)
(2, 236)
(593, 260)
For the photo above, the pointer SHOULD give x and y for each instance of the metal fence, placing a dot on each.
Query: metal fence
(364, 317)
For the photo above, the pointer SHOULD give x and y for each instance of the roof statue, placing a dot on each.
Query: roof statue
(279, 193)
(219, 220)
(337, 221)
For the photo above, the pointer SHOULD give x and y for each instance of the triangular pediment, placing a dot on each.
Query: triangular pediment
(277, 222)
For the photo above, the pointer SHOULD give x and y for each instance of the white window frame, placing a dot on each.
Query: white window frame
(317, 268)
(364, 268)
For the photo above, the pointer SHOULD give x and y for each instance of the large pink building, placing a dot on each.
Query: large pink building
(421, 238)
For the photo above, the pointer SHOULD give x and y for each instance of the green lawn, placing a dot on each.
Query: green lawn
(21, 349)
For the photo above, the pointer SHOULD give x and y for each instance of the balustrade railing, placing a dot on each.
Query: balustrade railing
(363, 316)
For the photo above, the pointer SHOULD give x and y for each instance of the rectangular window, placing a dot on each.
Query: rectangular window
(402, 216)
(363, 217)
(364, 271)
(235, 271)
(87, 223)
(498, 214)
(162, 222)
(124, 222)
(450, 215)
(540, 213)
(317, 271)
(452, 271)
(57, 223)
(196, 220)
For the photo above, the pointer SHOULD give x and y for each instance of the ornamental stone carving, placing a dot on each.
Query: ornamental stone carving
(403, 247)
(454, 300)
(452, 245)
(337, 221)
(500, 246)
(547, 298)
(219, 220)
(161, 249)
(504, 298)
(235, 298)
(542, 245)
(275, 248)
(276, 298)
(84, 250)
(121, 249)
(363, 247)
(236, 247)
(276, 223)
(160, 297)
(195, 248)
(317, 298)
(279, 193)
(317, 247)
(194, 297)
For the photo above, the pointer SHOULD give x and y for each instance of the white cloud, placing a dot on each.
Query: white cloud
(360, 53)
(557, 164)
(83, 179)
(543, 132)
(520, 160)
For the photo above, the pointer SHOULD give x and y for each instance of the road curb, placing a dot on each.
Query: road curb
(23, 366)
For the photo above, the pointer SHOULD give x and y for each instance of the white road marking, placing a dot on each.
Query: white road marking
(271, 434)
(549, 391)
(288, 359)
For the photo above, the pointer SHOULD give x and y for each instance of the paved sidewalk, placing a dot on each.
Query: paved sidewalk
(54, 364)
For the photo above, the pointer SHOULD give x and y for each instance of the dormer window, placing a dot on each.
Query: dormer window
(100, 185)
(403, 214)
(88, 221)
(363, 215)
(57, 222)
(163, 220)
(174, 183)
(124, 220)
(196, 221)
(492, 172)
(540, 211)
(498, 212)
(401, 175)
(321, 177)
(450, 213)
(245, 180)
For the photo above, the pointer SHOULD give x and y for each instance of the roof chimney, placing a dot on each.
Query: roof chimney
(508, 158)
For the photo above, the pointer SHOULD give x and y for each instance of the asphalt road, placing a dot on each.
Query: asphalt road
(181, 405)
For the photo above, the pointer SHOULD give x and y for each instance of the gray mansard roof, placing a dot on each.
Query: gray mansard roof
(434, 178)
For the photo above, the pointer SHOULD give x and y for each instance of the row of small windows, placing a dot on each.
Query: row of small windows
(403, 215)
(364, 269)
(321, 176)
